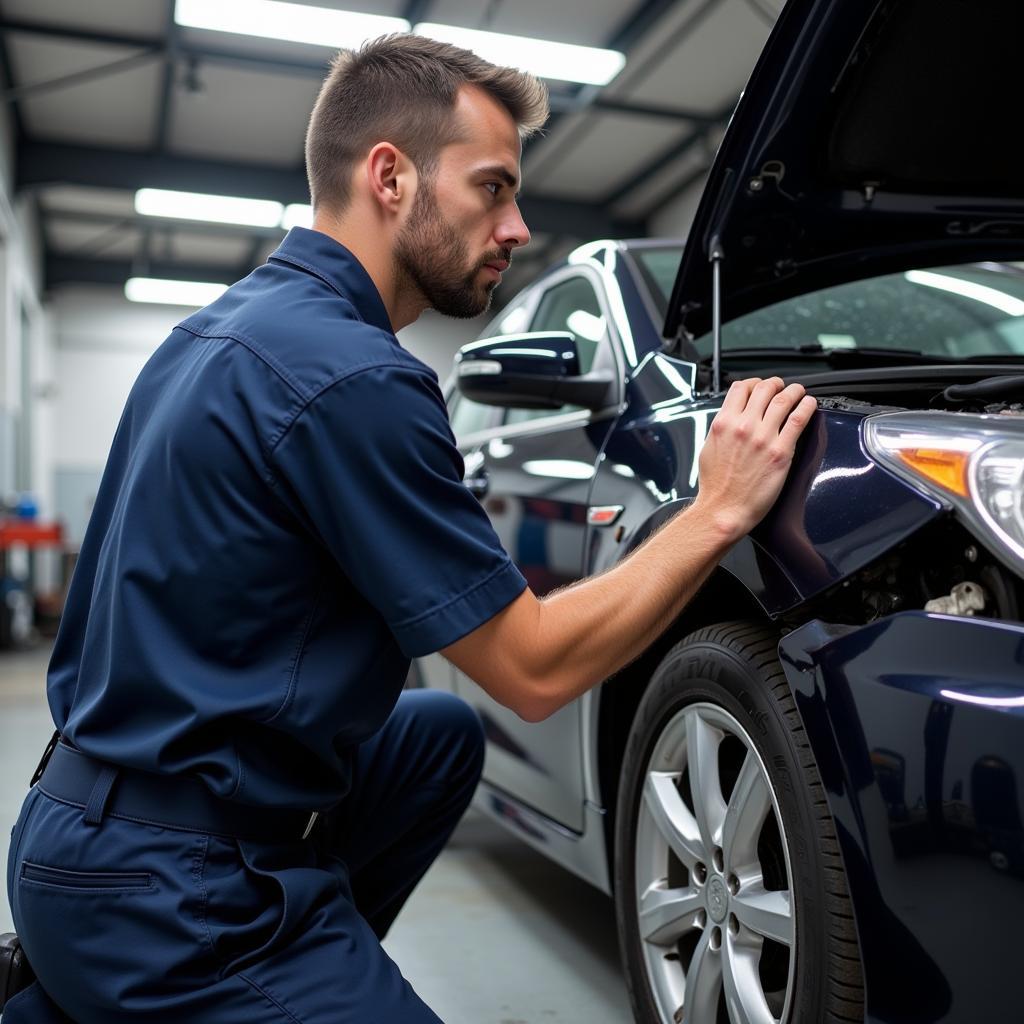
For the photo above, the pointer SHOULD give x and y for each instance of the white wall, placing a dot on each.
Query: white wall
(435, 339)
(25, 341)
(102, 342)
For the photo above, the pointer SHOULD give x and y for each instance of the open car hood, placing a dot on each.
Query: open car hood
(873, 136)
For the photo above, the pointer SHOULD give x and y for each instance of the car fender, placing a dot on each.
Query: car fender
(896, 713)
(838, 511)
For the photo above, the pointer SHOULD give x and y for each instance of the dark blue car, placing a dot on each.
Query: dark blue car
(806, 798)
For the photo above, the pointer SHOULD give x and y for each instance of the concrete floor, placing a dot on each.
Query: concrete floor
(495, 934)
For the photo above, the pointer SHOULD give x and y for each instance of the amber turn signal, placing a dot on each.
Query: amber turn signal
(944, 467)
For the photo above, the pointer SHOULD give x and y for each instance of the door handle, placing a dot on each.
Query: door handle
(479, 483)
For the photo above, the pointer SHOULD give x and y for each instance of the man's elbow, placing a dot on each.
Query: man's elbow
(536, 699)
(533, 710)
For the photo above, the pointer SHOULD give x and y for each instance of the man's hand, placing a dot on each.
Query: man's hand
(749, 450)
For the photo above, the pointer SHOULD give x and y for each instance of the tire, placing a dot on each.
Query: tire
(734, 906)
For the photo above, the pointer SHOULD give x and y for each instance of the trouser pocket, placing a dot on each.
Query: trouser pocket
(108, 915)
(63, 878)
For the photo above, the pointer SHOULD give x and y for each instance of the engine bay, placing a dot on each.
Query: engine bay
(952, 389)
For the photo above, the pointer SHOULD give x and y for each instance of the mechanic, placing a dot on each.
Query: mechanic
(243, 797)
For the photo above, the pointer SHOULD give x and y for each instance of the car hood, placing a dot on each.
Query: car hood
(872, 137)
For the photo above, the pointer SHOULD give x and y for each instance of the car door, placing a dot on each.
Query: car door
(533, 475)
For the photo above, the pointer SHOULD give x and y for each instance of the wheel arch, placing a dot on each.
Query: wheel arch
(722, 598)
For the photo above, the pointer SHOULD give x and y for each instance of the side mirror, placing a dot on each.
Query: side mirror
(529, 371)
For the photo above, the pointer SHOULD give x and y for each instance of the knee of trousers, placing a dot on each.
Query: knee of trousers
(456, 728)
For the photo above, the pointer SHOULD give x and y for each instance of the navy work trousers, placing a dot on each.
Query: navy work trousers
(125, 922)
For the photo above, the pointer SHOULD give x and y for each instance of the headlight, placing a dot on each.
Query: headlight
(974, 463)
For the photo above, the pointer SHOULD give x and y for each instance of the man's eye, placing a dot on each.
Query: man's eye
(493, 187)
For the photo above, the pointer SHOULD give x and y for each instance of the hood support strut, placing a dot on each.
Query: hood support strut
(717, 256)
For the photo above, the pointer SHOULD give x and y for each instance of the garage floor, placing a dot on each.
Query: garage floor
(494, 935)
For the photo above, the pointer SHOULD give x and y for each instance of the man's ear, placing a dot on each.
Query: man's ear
(391, 176)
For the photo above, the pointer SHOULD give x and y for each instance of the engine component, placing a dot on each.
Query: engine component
(965, 599)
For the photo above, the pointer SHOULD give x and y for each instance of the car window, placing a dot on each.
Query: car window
(467, 416)
(953, 312)
(658, 268)
(511, 320)
(573, 306)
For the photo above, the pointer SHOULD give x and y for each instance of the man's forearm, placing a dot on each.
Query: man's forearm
(586, 632)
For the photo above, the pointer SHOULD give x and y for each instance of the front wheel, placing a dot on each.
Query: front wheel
(730, 892)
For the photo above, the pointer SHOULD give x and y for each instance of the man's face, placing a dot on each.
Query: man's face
(464, 222)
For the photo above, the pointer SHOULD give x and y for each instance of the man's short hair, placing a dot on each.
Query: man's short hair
(402, 89)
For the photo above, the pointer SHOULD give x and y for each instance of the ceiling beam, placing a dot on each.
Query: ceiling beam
(416, 11)
(50, 163)
(294, 65)
(75, 34)
(7, 80)
(675, 190)
(137, 220)
(657, 163)
(629, 31)
(133, 60)
(638, 23)
(170, 70)
(54, 163)
(571, 104)
(78, 270)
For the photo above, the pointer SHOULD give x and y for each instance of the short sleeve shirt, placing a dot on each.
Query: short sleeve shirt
(281, 525)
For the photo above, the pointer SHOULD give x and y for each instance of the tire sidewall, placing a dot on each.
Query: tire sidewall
(703, 671)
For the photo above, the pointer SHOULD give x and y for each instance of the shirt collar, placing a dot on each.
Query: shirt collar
(330, 261)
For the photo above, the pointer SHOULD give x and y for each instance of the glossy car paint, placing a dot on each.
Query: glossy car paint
(838, 511)
(917, 725)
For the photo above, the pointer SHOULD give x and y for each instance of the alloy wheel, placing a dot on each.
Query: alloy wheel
(714, 889)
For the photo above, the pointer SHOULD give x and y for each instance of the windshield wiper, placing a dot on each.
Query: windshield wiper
(865, 356)
(1011, 358)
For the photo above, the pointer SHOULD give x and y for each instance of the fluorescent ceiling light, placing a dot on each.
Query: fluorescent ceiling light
(564, 61)
(172, 293)
(296, 23)
(297, 215)
(1008, 304)
(159, 202)
(322, 26)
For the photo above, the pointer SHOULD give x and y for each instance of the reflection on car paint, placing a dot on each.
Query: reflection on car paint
(921, 816)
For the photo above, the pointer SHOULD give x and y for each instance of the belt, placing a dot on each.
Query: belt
(167, 801)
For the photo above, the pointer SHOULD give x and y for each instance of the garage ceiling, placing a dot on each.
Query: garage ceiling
(111, 95)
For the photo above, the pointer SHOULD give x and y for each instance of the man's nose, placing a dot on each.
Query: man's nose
(513, 232)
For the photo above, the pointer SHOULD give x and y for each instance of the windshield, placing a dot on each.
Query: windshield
(950, 312)
(658, 268)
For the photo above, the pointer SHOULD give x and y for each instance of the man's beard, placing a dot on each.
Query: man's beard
(432, 256)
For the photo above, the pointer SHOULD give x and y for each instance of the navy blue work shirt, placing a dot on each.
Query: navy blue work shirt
(280, 527)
